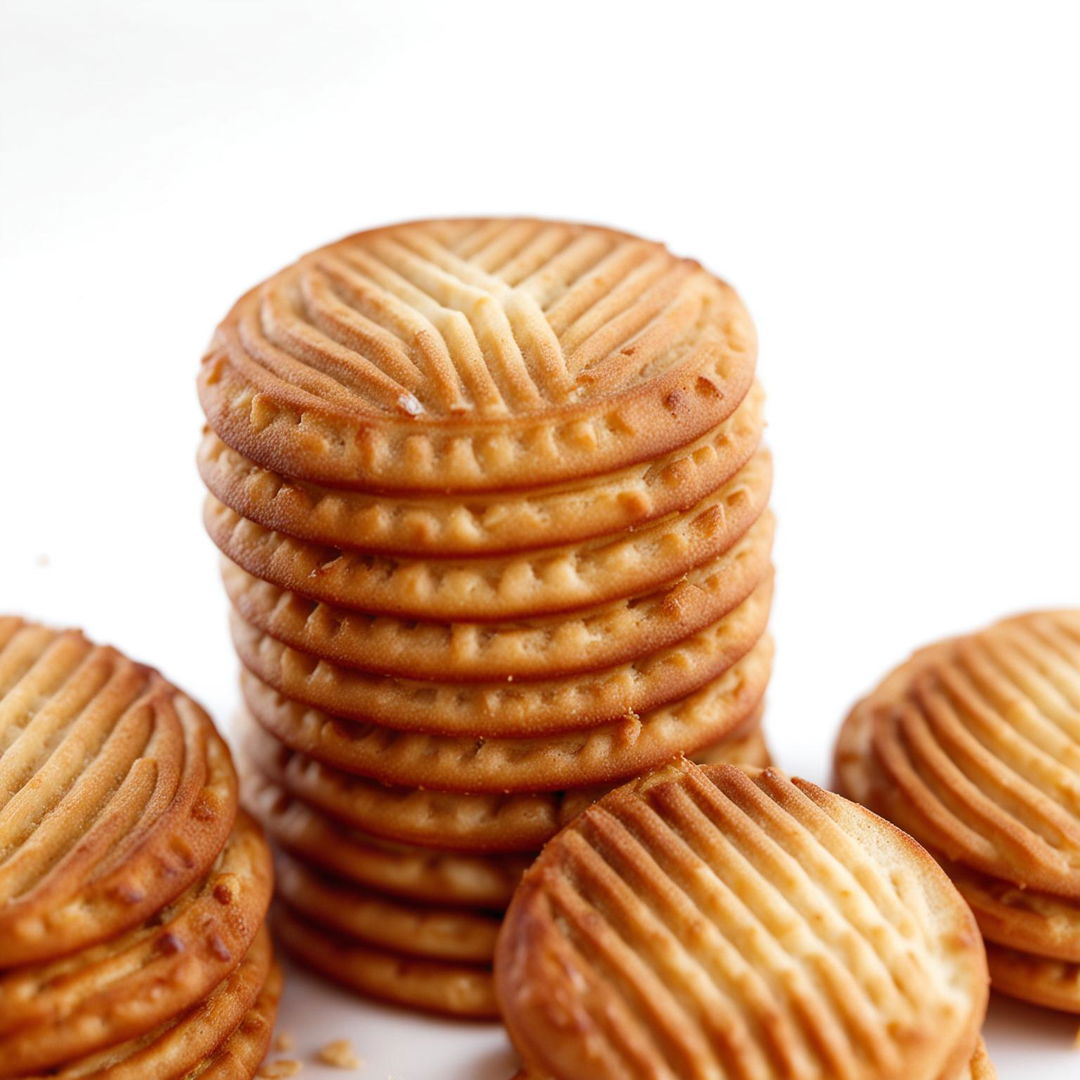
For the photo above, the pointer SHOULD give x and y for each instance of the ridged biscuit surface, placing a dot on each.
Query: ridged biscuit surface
(474, 355)
(53, 1012)
(973, 746)
(192, 1040)
(701, 922)
(116, 793)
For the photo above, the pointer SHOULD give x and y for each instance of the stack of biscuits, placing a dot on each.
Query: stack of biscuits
(132, 892)
(709, 921)
(973, 747)
(493, 511)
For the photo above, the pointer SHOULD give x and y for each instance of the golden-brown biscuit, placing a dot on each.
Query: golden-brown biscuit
(972, 746)
(404, 870)
(190, 1040)
(414, 357)
(485, 524)
(521, 585)
(463, 990)
(507, 708)
(116, 792)
(424, 930)
(444, 820)
(602, 754)
(121, 989)
(553, 646)
(702, 919)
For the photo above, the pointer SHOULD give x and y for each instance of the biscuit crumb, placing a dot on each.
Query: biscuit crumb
(277, 1070)
(283, 1042)
(339, 1053)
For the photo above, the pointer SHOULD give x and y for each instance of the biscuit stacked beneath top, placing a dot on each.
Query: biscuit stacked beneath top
(132, 894)
(973, 746)
(494, 516)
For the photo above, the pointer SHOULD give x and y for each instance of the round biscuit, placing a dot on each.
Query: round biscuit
(408, 357)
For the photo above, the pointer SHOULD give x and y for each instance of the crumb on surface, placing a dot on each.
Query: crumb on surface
(277, 1070)
(284, 1041)
(340, 1054)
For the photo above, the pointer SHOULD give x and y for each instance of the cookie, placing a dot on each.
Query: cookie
(970, 747)
(485, 524)
(508, 708)
(702, 920)
(428, 931)
(406, 358)
(403, 870)
(443, 820)
(116, 792)
(193, 1039)
(601, 754)
(462, 990)
(125, 987)
(552, 646)
(524, 585)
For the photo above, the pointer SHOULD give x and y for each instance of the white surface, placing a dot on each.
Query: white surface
(893, 188)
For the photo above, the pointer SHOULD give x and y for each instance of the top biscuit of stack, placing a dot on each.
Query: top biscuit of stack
(476, 356)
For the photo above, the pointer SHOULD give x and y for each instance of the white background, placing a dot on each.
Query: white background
(893, 188)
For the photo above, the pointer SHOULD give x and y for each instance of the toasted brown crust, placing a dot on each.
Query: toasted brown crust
(125, 987)
(602, 754)
(462, 990)
(520, 822)
(553, 646)
(116, 793)
(402, 358)
(491, 524)
(700, 916)
(968, 747)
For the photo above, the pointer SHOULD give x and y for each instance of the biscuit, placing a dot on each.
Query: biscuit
(188, 1042)
(405, 358)
(404, 870)
(491, 524)
(240, 1056)
(602, 754)
(118, 990)
(981, 1068)
(116, 793)
(500, 823)
(1017, 917)
(971, 747)
(428, 931)
(544, 581)
(702, 920)
(1040, 980)
(508, 708)
(462, 990)
(548, 647)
